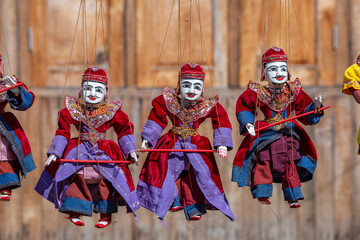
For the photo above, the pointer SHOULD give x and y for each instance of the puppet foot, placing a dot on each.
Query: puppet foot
(195, 218)
(264, 200)
(176, 208)
(75, 219)
(105, 220)
(5, 195)
(294, 204)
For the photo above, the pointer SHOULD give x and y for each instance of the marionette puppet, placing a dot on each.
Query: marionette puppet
(81, 187)
(351, 86)
(283, 153)
(180, 172)
(15, 153)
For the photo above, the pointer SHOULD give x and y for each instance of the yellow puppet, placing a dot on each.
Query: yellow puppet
(351, 85)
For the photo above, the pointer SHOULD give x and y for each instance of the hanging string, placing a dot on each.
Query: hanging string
(206, 57)
(6, 49)
(303, 41)
(68, 66)
(179, 37)
(161, 51)
(96, 28)
(124, 104)
(280, 24)
(103, 32)
(190, 31)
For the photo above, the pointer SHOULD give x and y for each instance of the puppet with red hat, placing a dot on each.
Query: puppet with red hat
(15, 153)
(79, 189)
(189, 181)
(283, 153)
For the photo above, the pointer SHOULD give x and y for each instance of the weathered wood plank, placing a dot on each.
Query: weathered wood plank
(343, 170)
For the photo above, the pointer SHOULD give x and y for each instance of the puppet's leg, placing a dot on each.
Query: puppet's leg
(107, 203)
(192, 197)
(291, 185)
(176, 206)
(78, 200)
(261, 187)
(9, 178)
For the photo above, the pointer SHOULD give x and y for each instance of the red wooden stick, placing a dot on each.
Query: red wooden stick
(13, 86)
(93, 161)
(176, 150)
(290, 118)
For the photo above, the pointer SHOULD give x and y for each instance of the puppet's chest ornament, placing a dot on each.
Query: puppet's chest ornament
(187, 116)
(97, 118)
(281, 102)
(93, 136)
(184, 131)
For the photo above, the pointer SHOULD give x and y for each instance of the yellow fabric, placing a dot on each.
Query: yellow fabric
(351, 79)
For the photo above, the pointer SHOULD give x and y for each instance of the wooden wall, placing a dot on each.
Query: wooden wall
(235, 32)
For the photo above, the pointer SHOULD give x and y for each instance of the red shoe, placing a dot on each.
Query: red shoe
(176, 208)
(294, 204)
(105, 220)
(264, 200)
(195, 218)
(75, 219)
(5, 195)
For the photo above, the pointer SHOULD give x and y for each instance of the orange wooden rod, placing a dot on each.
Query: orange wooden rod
(93, 161)
(176, 150)
(13, 86)
(289, 119)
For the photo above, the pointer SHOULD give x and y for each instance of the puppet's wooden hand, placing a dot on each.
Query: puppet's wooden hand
(144, 144)
(50, 159)
(250, 128)
(133, 156)
(222, 150)
(317, 104)
(10, 81)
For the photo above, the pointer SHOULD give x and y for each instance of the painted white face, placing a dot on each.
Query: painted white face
(191, 89)
(93, 92)
(276, 72)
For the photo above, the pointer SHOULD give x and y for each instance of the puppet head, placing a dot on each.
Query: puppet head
(274, 66)
(191, 82)
(94, 85)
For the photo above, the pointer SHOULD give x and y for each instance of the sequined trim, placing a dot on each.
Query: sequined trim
(184, 115)
(97, 118)
(184, 131)
(277, 105)
(92, 136)
(276, 119)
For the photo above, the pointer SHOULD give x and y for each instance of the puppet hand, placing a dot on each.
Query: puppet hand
(11, 81)
(144, 144)
(50, 159)
(317, 104)
(134, 157)
(222, 150)
(250, 128)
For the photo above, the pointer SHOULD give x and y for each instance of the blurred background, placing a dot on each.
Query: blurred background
(141, 43)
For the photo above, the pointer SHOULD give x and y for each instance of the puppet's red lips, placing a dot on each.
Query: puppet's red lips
(280, 78)
(190, 94)
(92, 98)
